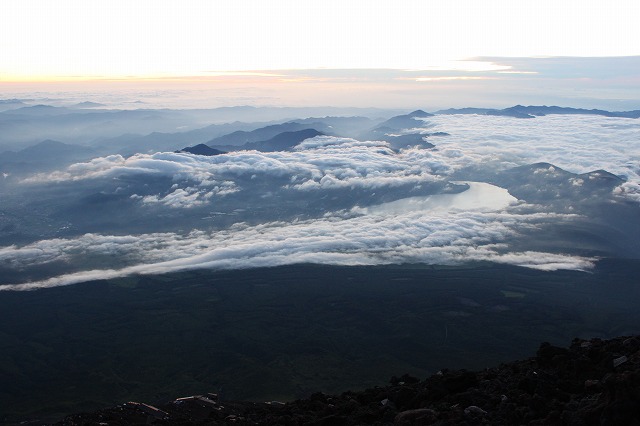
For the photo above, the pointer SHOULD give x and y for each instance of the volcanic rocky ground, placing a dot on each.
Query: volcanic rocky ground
(593, 382)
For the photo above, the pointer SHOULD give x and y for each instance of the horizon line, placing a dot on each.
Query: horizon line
(472, 65)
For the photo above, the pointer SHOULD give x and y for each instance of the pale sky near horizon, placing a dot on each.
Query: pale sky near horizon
(53, 39)
(385, 53)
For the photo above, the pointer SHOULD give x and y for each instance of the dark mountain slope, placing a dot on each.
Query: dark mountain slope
(392, 130)
(46, 155)
(546, 183)
(283, 141)
(592, 382)
(201, 149)
(406, 121)
(241, 138)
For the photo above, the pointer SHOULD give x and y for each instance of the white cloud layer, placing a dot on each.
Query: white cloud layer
(319, 163)
(441, 229)
(445, 237)
(576, 143)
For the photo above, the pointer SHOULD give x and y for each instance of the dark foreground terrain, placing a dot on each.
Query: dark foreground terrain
(281, 334)
(594, 382)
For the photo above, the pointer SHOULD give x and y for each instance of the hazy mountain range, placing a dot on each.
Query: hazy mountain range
(532, 111)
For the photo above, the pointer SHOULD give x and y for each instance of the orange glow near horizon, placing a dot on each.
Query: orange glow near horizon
(208, 76)
(77, 40)
(284, 75)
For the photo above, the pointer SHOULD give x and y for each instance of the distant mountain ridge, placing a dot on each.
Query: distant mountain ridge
(280, 142)
(241, 137)
(394, 131)
(532, 111)
(406, 121)
(44, 155)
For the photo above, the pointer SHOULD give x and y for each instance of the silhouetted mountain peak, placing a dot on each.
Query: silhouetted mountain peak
(202, 149)
(407, 141)
(398, 123)
(539, 166)
(50, 146)
(283, 141)
(545, 183)
(419, 113)
(240, 138)
(88, 104)
(603, 175)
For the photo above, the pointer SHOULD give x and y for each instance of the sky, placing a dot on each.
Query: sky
(285, 49)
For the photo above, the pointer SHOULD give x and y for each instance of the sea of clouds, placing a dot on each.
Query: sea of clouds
(576, 143)
(408, 213)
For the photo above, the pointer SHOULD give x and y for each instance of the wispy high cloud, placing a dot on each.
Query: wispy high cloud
(450, 78)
